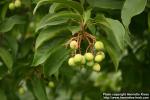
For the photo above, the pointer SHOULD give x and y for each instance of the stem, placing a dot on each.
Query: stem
(84, 36)
(80, 39)
(82, 27)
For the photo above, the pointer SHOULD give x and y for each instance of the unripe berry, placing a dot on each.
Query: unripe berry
(99, 45)
(21, 90)
(101, 53)
(89, 56)
(51, 84)
(11, 6)
(73, 45)
(78, 58)
(90, 64)
(96, 67)
(32, 25)
(71, 61)
(98, 58)
(17, 3)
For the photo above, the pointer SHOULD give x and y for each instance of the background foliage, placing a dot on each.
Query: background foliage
(32, 51)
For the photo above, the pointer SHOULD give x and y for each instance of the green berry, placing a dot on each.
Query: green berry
(78, 58)
(98, 58)
(99, 45)
(73, 45)
(90, 64)
(89, 56)
(51, 84)
(96, 67)
(17, 3)
(32, 25)
(11, 6)
(21, 90)
(101, 53)
(71, 61)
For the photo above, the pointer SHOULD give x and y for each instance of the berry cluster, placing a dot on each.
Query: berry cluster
(15, 4)
(90, 59)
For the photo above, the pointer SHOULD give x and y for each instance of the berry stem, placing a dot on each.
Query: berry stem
(84, 36)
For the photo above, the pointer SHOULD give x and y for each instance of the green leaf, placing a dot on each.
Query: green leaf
(44, 51)
(9, 23)
(12, 43)
(130, 9)
(91, 25)
(55, 61)
(25, 47)
(71, 4)
(118, 32)
(57, 19)
(3, 71)
(92, 28)
(149, 21)
(148, 4)
(87, 16)
(4, 11)
(114, 53)
(39, 89)
(56, 6)
(101, 19)
(114, 29)
(74, 29)
(7, 58)
(2, 95)
(48, 34)
(40, 3)
(115, 37)
(82, 2)
(106, 4)
(53, 7)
